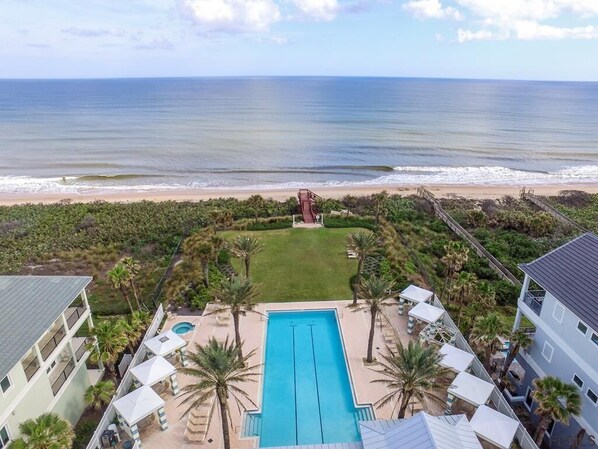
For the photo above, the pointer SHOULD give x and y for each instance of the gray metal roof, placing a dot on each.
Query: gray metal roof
(570, 274)
(28, 307)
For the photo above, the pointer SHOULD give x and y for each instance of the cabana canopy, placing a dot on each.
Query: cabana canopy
(471, 389)
(153, 371)
(426, 312)
(165, 343)
(455, 359)
(494, 427)
(416, 294)
(138, 404)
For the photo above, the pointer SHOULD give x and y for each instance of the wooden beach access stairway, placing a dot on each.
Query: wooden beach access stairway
(307, 198)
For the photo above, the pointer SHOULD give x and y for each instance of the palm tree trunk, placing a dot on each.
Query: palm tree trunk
(541, 430)
(404, 405)
(123, 290)
(357, 279)
(247, 262)
(237, 334)
(578, 438)
(206, 273)
(135, 294)
(370, 357)
(509, 361)
(224, 419)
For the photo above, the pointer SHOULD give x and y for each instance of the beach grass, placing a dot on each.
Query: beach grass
(301, 264)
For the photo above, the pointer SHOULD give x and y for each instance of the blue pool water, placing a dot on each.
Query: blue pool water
(307, 394)
(183, 328)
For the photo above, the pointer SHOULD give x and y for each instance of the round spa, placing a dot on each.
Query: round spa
(183, 328)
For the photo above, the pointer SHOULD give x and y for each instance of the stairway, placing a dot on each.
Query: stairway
(307, 198)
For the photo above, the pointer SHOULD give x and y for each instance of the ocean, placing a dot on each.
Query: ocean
(161, 134)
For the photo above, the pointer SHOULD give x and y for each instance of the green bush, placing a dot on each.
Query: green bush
(224, 256)
(83, 432)
(349, 222)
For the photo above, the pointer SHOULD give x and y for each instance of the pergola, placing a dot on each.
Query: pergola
(494, 427)
(438, 333)
(414, 295)
(167, 343)
(156, 370)
(137, 405)
(470, 388)
(455, 359)
(423, 312)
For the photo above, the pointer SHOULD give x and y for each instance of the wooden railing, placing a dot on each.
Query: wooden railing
(529, 196)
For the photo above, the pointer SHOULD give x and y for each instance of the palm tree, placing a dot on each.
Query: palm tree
(245, 247)
(120, 277)
(132, 332)
(380, 200)
(556, 400)
(237, 295)
(100, 394)
(219, 369)
(486, 332)
(518, 340)
(363, 244)
(375, 292)
(132, 265)
(412, 372)
(455, 257)
(111, 340)
(464, 289)
(47, 431)
(199, 247)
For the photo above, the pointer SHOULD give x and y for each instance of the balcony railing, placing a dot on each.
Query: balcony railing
(81, 350)
(59, 381)
(51, 344)
(534, 299)
(30, 367)
(73, 315)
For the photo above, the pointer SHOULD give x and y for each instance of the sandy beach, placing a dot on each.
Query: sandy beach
(467, 191)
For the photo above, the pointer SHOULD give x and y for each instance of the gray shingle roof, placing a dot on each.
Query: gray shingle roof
(570, 274)
(28, 307)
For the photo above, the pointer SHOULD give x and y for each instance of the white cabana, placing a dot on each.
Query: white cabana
(423, 312)
(413, 294)
(470, 388)
(167, 343)
(139, 404)
(156, 370)
(494, 427)
(455, 359)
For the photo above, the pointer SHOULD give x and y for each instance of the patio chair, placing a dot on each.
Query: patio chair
(223, 319)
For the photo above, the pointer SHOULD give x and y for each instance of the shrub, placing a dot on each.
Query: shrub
(349, 222)
(83, 432)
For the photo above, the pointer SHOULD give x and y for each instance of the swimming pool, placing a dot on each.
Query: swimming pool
(183, 327)
(307, 396)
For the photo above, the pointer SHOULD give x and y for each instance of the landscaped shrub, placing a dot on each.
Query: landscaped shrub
(83, 432)
(349, 222)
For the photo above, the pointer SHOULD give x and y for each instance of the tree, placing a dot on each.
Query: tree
(455, 257)
(412, 372)
(219, 369)
(256, 203)
(237, 295)
(375, 292)
(485, 333)
(47, 431)
(111, 340)
(518, 340)
(464, 289)
(132, 332)
(120, 278)
(133, 267)
(245, 247)
(100, 394)
(363, 244)
(200, 248)
(557, 401)
(380, 199)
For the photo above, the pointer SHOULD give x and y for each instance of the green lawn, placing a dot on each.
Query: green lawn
(301, 264)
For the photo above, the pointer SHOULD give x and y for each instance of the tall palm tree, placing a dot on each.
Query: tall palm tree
(219, 371)
(132, 333)
(111, 340)
(455, 257)
(375, 292)
(518, 340)
(100, 394)
(412, 372)
(557, 401)
(47, 431)
(363, 244)
(237, 295)
(486, 332)
(120, 277)
(380, 201)
(133, 266)
(464, 289)
(245, 247)
(199, 247)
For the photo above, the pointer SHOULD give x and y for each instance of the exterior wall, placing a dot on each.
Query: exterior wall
(18, 381)
(70, 405)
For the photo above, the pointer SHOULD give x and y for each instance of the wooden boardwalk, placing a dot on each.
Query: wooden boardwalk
(307, 199)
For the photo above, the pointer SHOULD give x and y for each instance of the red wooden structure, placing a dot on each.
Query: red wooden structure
(307, 198)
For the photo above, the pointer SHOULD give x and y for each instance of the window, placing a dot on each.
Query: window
(595, 338)
(550, 427)
(4, 437)
(547, 351)
(578, 381)
(52, 365)
(528, 398)
(5, 384)
(558, 312)
(593, 396)
(582, 327)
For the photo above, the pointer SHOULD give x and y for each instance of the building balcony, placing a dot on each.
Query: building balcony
(51, 341)
(30, 365)
(534, 299)
(61, 374)
(73, 314)
(80, 346)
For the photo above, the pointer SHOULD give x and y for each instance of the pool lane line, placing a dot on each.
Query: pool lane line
(293, 326)
(313, 351)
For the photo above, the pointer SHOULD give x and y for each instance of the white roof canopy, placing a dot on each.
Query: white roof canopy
(454, 358)
(165, 343)
(471, 389)
(416, 294)
(426, 312)
(138, 404)
(153, 370)
(494, 427)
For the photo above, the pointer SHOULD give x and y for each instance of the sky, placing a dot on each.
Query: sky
(497, 39)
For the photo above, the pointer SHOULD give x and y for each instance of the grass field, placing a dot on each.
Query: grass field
(301, 264)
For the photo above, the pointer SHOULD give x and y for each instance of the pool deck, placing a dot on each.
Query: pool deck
(354, 324)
